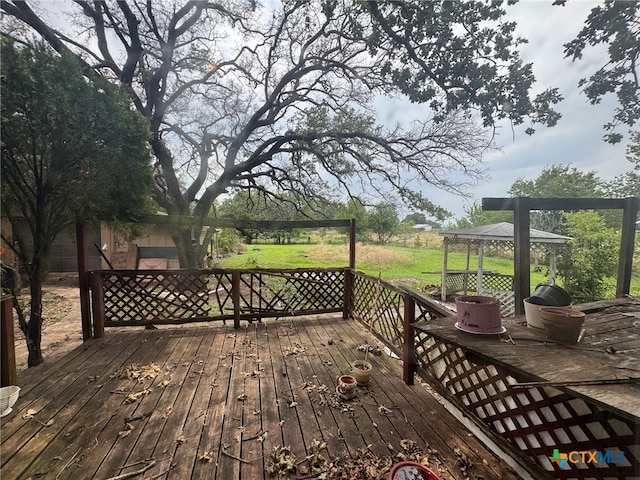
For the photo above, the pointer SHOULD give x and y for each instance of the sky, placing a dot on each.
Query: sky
(577, 139)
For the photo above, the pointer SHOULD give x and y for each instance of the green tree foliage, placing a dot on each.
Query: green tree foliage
(557, 181)
(628, 184)
(615, 24)
(261, 206)
(221, 84)
(383, 221)
(355, 209)
(72, 150)
(416, 218)
(591, 257)
(476, 216)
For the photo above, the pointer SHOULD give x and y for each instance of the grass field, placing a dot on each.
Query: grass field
(391, 262)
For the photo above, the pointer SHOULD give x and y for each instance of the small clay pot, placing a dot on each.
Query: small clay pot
(412, 471)
(361, 371)
(347, 383)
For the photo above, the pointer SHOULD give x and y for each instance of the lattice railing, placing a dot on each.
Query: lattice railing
(148, 297)
(534, 420)
(379, 305)
(465, 282)
(382, 307)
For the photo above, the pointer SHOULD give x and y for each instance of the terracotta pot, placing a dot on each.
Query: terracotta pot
(412, 471)
(361, 371)
(562, 324)
(347, 383)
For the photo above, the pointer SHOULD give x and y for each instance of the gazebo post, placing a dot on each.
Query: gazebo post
(480, 266)
(553, 256)
(465, 277)
(443, 286)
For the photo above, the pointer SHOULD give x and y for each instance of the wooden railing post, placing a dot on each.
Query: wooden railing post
(627, 245)
(97, 304)
(235, 298)
(83, 280)
(348, 293)
(7, 344)
(408, 347)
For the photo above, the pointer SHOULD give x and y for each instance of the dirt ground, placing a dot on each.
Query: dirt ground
(62, 327)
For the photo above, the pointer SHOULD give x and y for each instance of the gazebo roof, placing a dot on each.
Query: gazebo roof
(502, 231)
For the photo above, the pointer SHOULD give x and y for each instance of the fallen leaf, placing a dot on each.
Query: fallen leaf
(29, 414)
(134, 397)
(180, 440)
(242, 397)
(384, 410)
(126, 431)
(206, 457)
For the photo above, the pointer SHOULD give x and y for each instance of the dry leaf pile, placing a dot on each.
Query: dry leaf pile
(294, 351)
(365, 347)
(282, 463)
(136, 372)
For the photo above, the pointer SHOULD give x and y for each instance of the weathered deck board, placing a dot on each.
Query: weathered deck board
(192, 422)
(426, 418)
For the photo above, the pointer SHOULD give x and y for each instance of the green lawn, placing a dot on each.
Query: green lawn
(391, 262)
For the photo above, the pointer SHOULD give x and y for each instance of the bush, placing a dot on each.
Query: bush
(590, 258)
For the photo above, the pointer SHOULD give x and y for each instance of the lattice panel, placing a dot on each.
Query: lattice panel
(534, 420)
(292, 291)
(493, 281)
(220, 285)
(381, 308)
(507, 301)
(150, 296)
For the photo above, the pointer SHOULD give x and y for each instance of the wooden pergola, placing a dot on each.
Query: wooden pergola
(522, 206)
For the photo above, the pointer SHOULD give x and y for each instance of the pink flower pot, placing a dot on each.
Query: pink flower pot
(478, 314)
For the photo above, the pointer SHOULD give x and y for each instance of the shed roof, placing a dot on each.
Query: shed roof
(503, 231)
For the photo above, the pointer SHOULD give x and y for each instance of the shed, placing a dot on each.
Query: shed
(496, 237)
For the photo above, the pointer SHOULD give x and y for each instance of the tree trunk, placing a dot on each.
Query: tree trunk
(33, 334)
(189, 255)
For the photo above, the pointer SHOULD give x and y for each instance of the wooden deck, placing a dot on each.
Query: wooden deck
(213, 402)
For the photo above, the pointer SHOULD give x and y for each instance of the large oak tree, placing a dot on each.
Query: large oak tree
(281, 98)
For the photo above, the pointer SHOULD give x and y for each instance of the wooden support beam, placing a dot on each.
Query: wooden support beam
(409, 344)
(627, 245)
(522, 253)
(235, 297)
(352, 244)
(7, 344)
(83, 280)
(186, 221)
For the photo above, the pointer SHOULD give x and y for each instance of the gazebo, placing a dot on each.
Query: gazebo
(494, 237)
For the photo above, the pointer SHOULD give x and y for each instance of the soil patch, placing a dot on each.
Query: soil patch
(62, 323)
